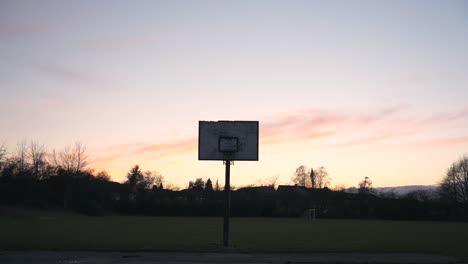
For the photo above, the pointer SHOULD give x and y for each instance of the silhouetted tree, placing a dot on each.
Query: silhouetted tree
(37, 156)
(20, 157)
(3, 155)
(217, 188)
(209, 185)
(313, 179)
(271, 181)
(301, 176)
(148, 180)
(321, 178)
(454, 186)
(158, 178)
(9, 170)
(365, 186)
(138, 183)
(71, 159)
(418, 195)
(134, 176)
(103, 176)
(198, 185)
(28, 177)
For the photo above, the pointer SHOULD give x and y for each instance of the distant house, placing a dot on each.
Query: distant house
(256, 192)
(292, 200)
(292, 189)
(257, 189)
(114, 189)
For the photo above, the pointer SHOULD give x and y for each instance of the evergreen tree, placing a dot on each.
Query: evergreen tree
(198, 185)
(209, 186)
(216, 188)
(134, 176)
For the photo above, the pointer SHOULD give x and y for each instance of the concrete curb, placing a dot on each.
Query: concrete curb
(84, 257)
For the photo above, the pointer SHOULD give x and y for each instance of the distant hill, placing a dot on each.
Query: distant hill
(400, 191)
(403, 190)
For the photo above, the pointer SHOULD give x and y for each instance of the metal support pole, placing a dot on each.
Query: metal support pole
(227, 204)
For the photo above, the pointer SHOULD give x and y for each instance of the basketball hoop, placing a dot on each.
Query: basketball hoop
(227, 141)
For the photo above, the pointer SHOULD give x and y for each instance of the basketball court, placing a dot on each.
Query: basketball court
(181, 257)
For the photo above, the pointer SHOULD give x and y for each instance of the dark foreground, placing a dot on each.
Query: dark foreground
(17, 257)
(69, 232)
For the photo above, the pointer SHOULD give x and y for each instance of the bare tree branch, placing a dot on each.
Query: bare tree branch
(3, 155)
(454, 186)
(301, 177)
(271, 181)
(36, 154)
(71, 159)
(321, 178)
(21, 154)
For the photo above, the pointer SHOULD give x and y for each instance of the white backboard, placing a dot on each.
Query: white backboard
(237, 140)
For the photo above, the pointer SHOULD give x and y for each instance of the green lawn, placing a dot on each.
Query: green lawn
(75, 232)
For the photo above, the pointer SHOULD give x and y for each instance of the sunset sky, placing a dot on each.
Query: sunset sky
(363, 88)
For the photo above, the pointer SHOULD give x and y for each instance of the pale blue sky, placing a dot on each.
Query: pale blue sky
(119, 72)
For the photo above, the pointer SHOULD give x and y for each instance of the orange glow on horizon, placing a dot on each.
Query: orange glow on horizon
(298, 139)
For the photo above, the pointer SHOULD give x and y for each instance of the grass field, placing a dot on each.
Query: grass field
(75, 232)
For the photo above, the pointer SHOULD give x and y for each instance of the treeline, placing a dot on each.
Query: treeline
(59, 180)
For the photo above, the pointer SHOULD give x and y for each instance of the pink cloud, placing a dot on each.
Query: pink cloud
(161, 147)
(121, 147)
(367, 140)
(383, 125)
(446, 117)
(319, 124)
(108, 158)
(442, 142)
(148, 150)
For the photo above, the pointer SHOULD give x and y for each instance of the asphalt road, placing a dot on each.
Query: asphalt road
(19, 257)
